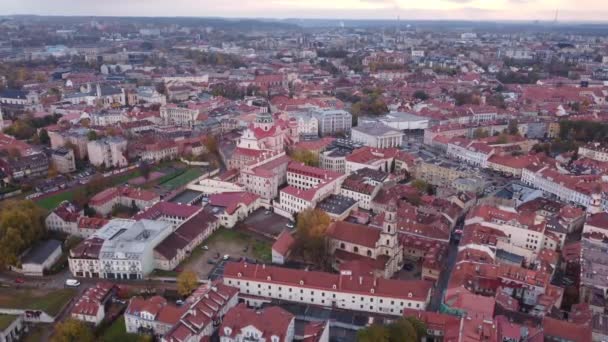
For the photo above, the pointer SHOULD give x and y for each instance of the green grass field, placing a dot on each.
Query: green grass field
(117, 332)
(50, 302)
(6, 320)
(182, 179)
(51, 202)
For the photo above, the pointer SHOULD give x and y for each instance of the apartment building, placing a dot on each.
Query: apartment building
(109, 152)
(180, 116)
(595, 151)
(271, 324)
(333, 121)
(105, 201)
(63, 160)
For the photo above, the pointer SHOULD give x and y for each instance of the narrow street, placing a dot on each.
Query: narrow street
(442, 283)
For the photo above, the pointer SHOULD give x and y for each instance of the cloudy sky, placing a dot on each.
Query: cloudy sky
(569, 10)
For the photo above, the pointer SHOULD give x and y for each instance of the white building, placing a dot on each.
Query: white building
(594, 151)
(150, 95)
(470, 152)
(307, 186)
(308, 124)
(377, 135)
(180, 116)
(109, 152)
(261, 283)
(271, 324)
(122, 249)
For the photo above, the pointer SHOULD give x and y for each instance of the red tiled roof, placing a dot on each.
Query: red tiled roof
(419, 289)
(284, 243)
(232, 200)
(560, 329)
(271, 321)
(354, 233)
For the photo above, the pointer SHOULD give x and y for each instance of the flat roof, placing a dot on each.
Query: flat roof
(186, 197)
(40, 252)
(336, 204)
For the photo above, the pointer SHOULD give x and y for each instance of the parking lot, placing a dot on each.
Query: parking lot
(209, 263)
(266, 224)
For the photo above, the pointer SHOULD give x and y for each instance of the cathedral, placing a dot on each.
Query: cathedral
(265, 137)
(367, 249)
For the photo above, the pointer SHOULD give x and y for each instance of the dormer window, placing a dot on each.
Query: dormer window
(301, 282)
(227, 331)
(239, 274)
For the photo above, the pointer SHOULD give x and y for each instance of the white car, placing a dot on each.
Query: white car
(72, 283)
(226, 257)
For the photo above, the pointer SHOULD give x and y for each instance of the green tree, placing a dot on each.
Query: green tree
(144, 169)
(187, 281)
(373, 333)
(513, 128)
(21, 225)
(407, 329)
(421, 95)
(43, 137)
(72, 330)
(92, 135)
(422, 186)
(311, 234)
(480, 133)
(305, 156)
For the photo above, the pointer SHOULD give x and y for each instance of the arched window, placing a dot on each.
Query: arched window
(369, 253)
(342, 246)
(356, 249)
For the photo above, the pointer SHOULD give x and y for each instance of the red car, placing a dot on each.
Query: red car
(19, 280)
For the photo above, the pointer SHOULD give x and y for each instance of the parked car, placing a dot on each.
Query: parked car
(72, 283)
(205, 248)
(211, 262)
(290, 225)
(226, 257)
(19, 280)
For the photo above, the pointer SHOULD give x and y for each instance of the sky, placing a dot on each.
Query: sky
(569, 10)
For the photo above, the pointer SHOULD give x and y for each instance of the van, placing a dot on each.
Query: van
(72, 283)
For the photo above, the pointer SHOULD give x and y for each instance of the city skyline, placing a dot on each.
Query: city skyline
(475, 10)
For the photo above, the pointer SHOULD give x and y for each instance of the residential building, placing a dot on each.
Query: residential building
(281, 248)
(39, 258)
(595, 151)
(180, 116)
(29, 166)
(333, 121)
(105, 201)
(271, 324)
(63, 160)
(109, 152)
(207, 307)
(154, 315)
(232, 207)
(91, 306)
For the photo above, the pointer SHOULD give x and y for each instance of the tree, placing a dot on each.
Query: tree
(480, 133)
(421, 95)
(144, 170)
(407, 329)
(373, 333)
(92, 135)
(310, 238)
(210, 143)
(21, 225)
(305, 156)
(513, 128)
(43, 137)
(422, 186)
(187, 281)
(72, 330)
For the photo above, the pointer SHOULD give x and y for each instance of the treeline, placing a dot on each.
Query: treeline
(21, 225)
(332, 53)
(517, 78)
(371, 103)
(25, 128)
(583, 131)
(233, 91)
(215, 58)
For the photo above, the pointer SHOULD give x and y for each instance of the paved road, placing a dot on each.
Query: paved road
(442, 283)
